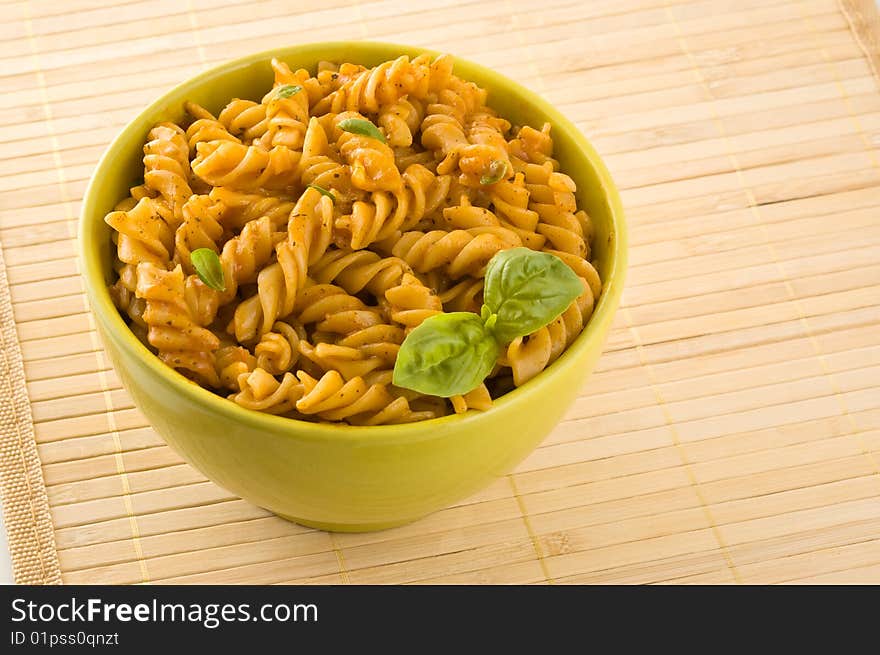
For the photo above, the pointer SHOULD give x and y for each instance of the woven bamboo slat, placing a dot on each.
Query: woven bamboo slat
(731, 432)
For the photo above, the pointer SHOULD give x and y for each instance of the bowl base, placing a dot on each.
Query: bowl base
(347, 527)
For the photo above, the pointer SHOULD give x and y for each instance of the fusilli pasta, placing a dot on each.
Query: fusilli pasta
(335, 243)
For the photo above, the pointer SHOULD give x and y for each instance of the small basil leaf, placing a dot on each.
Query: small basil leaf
(527, 290)
(287, 90)
(496, 171)
(448, 354)
(322, 191)
(362, 127)
(208, 267)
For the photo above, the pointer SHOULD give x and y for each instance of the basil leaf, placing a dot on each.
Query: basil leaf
(497, 170)
(287, 90)
(362, 127)
(322, 191)
(207, 265)
(448, 354)
(527, 290)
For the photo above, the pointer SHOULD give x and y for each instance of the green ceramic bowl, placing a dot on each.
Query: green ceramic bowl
(339, 477)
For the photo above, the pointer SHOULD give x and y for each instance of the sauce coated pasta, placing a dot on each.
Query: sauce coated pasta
(345, 208)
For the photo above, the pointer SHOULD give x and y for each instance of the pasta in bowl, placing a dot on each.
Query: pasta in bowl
(374, 253)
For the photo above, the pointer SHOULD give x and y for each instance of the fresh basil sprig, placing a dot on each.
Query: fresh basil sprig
(451, 354)
(322, 191)
(208, 267)
(497, 169)
(362, 127)
(287, 90)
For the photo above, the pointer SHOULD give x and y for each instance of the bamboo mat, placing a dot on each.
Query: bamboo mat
(731, 433)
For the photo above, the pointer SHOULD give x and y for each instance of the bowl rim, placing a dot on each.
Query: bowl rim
(122, 336)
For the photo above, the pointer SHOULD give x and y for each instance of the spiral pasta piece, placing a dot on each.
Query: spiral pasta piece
(261, 391)
(551, 196)
(172, 330)
(348, 362)
(231, 362)
(201, 228)
(227, 163)
(510, 199)
(465, 216)
(122, 292)
(334, 399)
(243, 257)
(142, 234)
(443, 127)
(458, 253)
(411, 302)
(286, 115)
(355, 338)
(359, 270)
(527, 356)
(333, 310)
(244, 119)
(398, 411)
(532, 145)
(487, 145)
(478, 398)
(422, 195)
(328, 79)
(385, 213)
(278, 350)
(376, 342)
(317, 166)
(241, 208)
(372, 162)
(372, 220)
(205, 127)
(510, 202)
(384, 84)
(401, 120)
(407, 406)
(138, 192)
(166, 166)
(449, 106)
(309, 233)
(202, 300)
